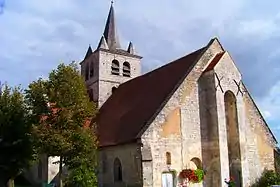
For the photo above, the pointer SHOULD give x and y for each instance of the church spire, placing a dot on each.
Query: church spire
(110, 31)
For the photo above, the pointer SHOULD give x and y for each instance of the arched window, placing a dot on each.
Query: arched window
(115, 68)
(91, 71)
(114, 89)
(87, 72)
(126, 69)
(233, 141)
(196, 162)
(168, 158)
(117, 170)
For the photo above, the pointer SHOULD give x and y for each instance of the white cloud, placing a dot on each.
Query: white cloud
(270, 104)
(262, 29)
(37, 35)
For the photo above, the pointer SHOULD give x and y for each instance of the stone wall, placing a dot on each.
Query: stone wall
(277, 160)
(183, 141)
(45, 171)
(130, 158)
(209, 129)
(260, 143)
(228, 73)
(102, 81)
(107, 80)
(202, 131)
(92, 82)
(192, 124)
(256, 142)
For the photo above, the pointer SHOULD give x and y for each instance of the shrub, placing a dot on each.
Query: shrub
(268, 178)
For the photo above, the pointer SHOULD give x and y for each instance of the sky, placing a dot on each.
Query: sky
(35, 36)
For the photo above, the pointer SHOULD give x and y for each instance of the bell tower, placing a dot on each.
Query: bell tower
(108, 66)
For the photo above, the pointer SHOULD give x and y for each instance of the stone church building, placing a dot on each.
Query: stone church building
(194, 112)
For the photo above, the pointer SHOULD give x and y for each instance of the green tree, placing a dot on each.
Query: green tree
(267, 179)
(16, 145)
(61, 107)
(82, 167)
(82, 176)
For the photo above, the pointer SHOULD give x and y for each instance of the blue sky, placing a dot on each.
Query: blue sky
(36, 35)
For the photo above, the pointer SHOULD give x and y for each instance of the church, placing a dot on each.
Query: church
(191, 122)
(192, 113)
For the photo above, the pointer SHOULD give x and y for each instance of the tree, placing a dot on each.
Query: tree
(268, 178)
(82, 176)
(16, 145)
(82, 167)
(61, 107)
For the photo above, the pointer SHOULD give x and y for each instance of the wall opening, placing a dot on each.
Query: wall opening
(233, 141)
(91, 70)
(87, 72)
(114, 89)
(126, 69)
(195, 163)
(168, 158)
(115, 67)
(118, 177)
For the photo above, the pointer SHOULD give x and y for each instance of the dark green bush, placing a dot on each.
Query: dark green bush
(268, 178)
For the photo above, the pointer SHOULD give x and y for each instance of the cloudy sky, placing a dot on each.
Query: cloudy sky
(36, 35)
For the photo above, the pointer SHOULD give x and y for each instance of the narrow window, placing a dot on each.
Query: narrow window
(168, 158)
(87, 72)
(91, 71)
(117, 170)
(233, 140)
(126, 69)
(115, 68)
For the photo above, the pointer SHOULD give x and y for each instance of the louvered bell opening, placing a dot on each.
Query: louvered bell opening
(115, 70)
(126, 69)
(115, 67)
(126, 73)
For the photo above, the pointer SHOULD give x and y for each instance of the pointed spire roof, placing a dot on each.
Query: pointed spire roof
(89, 52)
(110, 31)
(102, 44)
(130, 48)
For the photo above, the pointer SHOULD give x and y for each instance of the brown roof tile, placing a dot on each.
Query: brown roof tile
(136, 103)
